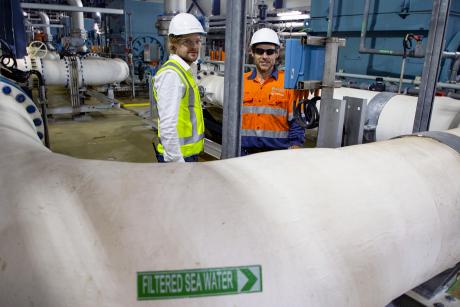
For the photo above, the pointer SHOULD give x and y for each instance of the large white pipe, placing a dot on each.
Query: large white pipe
(397, 117)
(115, 70)
(92, 71)
(75, 232)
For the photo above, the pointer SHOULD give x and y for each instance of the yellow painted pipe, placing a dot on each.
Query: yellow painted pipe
(133, 105)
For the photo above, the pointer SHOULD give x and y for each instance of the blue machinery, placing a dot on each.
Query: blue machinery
(429, 37)
(388, 22)
(303, 62)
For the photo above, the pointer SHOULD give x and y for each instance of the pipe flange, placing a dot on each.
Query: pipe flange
(82, 74)
(42, 71)
(90, 55)
(9, 88)
(26, 66)
(67, 72)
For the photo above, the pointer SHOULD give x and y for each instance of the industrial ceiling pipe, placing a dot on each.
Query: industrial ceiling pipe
(46, 29)
(76, 232)
(172, 7)
(78, 24)
(67, 8)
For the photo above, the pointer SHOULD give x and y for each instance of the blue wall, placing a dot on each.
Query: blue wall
(143, 19)
(386, 29)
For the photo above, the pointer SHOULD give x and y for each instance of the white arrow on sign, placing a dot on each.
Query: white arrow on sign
(249, 279)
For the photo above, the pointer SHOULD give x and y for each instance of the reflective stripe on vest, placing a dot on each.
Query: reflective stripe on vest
(263, 110)
(265, 133)
(192, 99)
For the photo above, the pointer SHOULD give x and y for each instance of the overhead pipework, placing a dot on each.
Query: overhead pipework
(171, 8)
(47, 29)
(326, 243)
(78, 31)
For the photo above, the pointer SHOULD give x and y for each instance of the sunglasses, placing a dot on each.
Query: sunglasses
(260, 51)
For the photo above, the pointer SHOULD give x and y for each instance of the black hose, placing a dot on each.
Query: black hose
(306, 113)
(7, 59)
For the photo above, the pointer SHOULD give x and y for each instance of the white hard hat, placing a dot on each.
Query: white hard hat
(265, 35)
(185, 23)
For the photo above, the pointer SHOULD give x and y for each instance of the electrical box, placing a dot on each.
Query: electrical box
(303, 63)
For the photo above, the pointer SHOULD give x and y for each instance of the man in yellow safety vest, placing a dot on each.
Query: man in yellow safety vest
(180, 123)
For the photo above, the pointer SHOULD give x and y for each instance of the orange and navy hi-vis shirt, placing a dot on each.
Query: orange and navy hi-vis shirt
(267, 114)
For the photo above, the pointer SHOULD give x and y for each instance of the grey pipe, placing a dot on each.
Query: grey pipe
(295, 34)
(233, 81)
(431, 66)
(78, 25)
(453, 95)
(452, 86)
(390, 79)
(287, 24)
(369, 77)
(363, 49)
(454, 55)
(67, 8)
(172, 7)
(330, 17)
(46, 29)
(46, 22)
(455, 67)
(42, 25)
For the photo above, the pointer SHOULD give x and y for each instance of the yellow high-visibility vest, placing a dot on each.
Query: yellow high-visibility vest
(190, 123)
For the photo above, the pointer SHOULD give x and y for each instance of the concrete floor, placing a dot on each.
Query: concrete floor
(113, 134)
(116, 134)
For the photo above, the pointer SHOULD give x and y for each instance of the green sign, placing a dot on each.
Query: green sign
(198, 282)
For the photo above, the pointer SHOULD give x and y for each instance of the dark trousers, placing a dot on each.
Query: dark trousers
(193, 158)
(161, 159)
(252, 150)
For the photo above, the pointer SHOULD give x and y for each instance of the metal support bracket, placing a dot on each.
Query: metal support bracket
(314, 84)
(330, 129)
(431, 66)
(332, 111)
(355, 115)
(374, 109)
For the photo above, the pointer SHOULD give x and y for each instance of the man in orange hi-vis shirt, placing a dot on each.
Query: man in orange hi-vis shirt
(267, 113)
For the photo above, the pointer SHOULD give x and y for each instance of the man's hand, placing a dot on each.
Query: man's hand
(294, 147)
